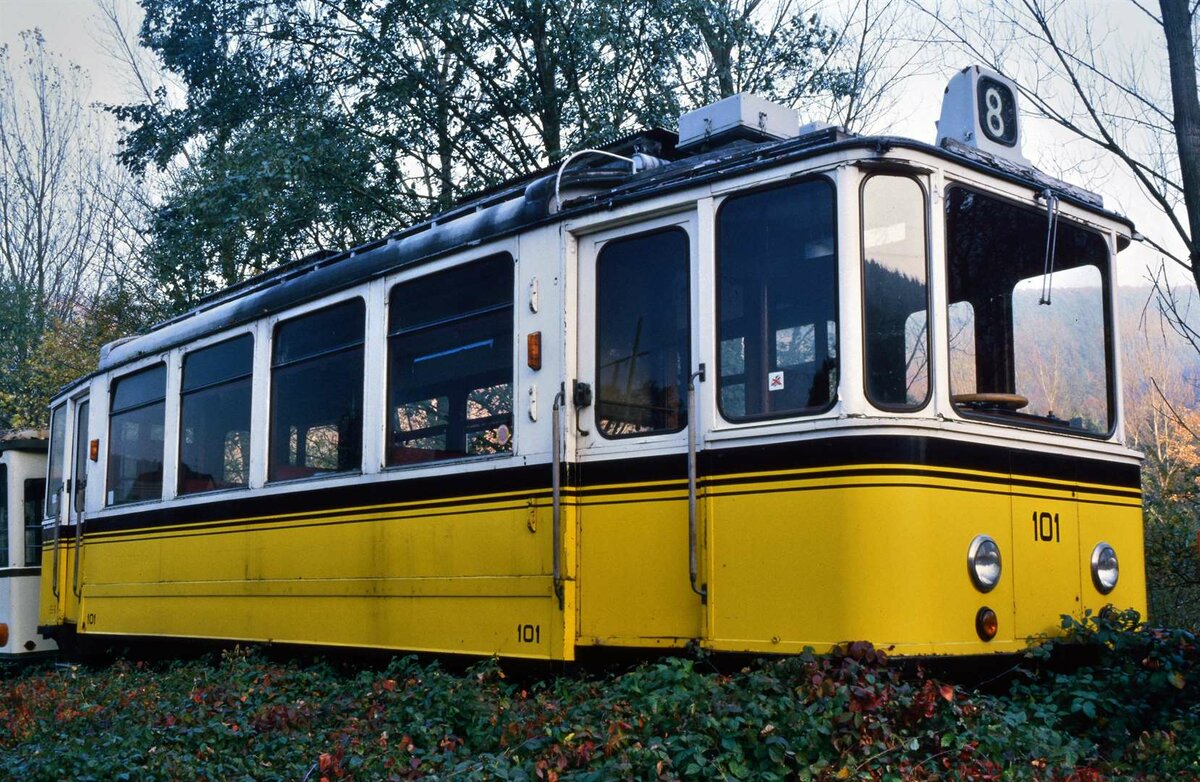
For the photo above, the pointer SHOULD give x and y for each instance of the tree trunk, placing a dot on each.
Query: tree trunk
(1181, 58)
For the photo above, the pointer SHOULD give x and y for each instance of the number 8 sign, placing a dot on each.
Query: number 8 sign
(997, 111)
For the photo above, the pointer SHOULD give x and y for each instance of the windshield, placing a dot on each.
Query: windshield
(1028, 340)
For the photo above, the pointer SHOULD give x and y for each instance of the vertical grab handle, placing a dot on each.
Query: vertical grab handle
(693, 422)
(556, 439)
(63, 491)
(78, 553)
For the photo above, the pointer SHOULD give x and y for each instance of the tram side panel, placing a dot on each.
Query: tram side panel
(452, 572)
(448, 556)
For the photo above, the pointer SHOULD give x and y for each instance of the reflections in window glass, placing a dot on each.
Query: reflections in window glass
(56, 460)
(135, 440)
(1038, 363)
(450, 363)
(777, 289)
(35, 496)
(896, 298)
(215, 416)
(317, 393)
(643, 334)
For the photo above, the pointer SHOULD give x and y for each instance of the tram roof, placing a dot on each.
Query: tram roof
(24, 440)
(525, 202)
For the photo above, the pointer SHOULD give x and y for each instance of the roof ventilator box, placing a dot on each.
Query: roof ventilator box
(738, 117)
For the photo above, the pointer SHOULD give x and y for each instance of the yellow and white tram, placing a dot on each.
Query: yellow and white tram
(22, 491)
(756, 387)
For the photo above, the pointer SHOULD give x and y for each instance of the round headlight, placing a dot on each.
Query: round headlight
(1105, 569)
(983, 563)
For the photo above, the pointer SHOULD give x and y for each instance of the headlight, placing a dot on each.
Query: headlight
(1105, 569)
(983, 563)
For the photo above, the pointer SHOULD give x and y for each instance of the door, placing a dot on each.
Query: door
(65, 490)
(78, 494)
(636, 353)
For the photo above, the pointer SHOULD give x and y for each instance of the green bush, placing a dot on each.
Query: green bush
(1173, 563)
(1134, 709)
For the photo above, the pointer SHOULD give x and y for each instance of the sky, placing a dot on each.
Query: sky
(74, 29)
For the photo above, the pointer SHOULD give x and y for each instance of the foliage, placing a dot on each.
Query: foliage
(305, 126)
(851, 716)
(1173, 563)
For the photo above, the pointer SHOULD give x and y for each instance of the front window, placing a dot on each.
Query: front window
(895, 293)
(136, 423)
(777, 294)
(1028, 339)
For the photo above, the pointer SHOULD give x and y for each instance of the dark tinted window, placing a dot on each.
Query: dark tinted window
(895, 292)
(135, 441)
(777, 302)
(140, 388)
(4, 515)
(56, 460)
(214, 438)
(642, 334)
(450, 373)
(35, 492)
(317, 393)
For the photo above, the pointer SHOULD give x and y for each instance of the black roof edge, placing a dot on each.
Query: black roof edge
(322, 273)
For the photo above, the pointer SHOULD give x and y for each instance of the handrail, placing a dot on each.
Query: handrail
(556, 492)
(693, 567)
(64, 491)
(78, 550)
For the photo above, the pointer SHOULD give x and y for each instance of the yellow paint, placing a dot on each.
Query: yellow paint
(790, 560)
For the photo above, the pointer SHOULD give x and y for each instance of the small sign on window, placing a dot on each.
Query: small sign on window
(775, 381)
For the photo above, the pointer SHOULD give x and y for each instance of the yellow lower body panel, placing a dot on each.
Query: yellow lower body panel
(476, 581)
(785, 561)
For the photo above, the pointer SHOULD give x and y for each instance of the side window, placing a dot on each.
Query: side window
(777, 302)
(895, 292)
(136, 423)
(35, 493)
(214, 437)
(643, 350)
(57, 458)
(316, 394)
(450, 364)
(4, 516)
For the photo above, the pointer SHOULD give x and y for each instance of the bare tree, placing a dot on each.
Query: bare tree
(68, 218)
(48, 219)
(1093, 70)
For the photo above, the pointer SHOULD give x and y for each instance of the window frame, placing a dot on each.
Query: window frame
(113, 381)
(927, 226)
(1108, 291)
(681, 229)
(184, 354)
(278, 320)
(54, 439)
(385, 405)
(834, 397)
(34, 561)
